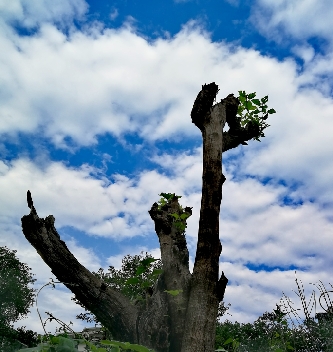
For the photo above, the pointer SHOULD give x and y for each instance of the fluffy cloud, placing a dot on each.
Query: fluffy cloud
(255, 228)
(31, 13)
(287, 22)
(291, 18)
(113, 81)
(83, 84)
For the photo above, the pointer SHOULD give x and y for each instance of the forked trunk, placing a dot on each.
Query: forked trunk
(166, 323)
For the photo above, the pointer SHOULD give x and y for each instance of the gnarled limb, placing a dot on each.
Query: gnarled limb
(106, 303)
(160, 324)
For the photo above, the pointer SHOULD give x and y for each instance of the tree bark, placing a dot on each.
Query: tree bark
(203, 299)
(182, 323)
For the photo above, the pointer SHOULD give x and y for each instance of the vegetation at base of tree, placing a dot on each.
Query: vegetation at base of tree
(64, 343)
(136, 279)
(268, 333)
(261, 336)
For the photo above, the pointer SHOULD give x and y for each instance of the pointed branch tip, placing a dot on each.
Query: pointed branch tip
(29, 200)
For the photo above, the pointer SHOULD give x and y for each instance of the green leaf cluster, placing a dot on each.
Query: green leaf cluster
(250, 108)
(165, 198)
(137, 274)
(270, 332)
(180, 220)
(15, 298)
(142, 268)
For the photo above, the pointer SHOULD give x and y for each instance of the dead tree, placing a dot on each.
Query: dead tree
(182, 323)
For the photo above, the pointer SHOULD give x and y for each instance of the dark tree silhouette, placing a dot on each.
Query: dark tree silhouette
(29, 200)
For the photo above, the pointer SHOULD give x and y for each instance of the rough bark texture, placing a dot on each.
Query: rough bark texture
(203, 300)
(183, 323)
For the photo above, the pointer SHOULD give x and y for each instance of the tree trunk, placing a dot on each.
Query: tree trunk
(182, 323)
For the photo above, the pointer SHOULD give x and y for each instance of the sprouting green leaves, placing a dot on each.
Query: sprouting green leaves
(256, 101)
(182, 216)
(173, 292)
(250, 108)
(144, 264)
(178, 223)
(252, 95)
(167, 196)
(179, 219)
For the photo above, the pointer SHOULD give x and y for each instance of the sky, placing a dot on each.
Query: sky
(95, 103)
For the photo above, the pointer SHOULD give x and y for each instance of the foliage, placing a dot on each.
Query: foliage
(166, 197)
(15, 298)
(256, 337)
(14, 339)
(262, 335)
(135, 279)
(14, 275)
(138, 274)
(179, 220)
(63, 343)
(270, 333)
(252, 108)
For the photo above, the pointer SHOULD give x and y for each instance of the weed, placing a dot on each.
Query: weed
(310, 337)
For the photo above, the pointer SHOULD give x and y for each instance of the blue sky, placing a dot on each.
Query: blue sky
(95, 102)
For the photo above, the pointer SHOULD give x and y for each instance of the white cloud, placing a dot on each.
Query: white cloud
(31, 13)
(114, 14)
(305, 52)
(300, 138)
(255, 228)
(254, 223)
(301, 25)
(318, 74)
(86, 85)
(114, 81)
(293, 18)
